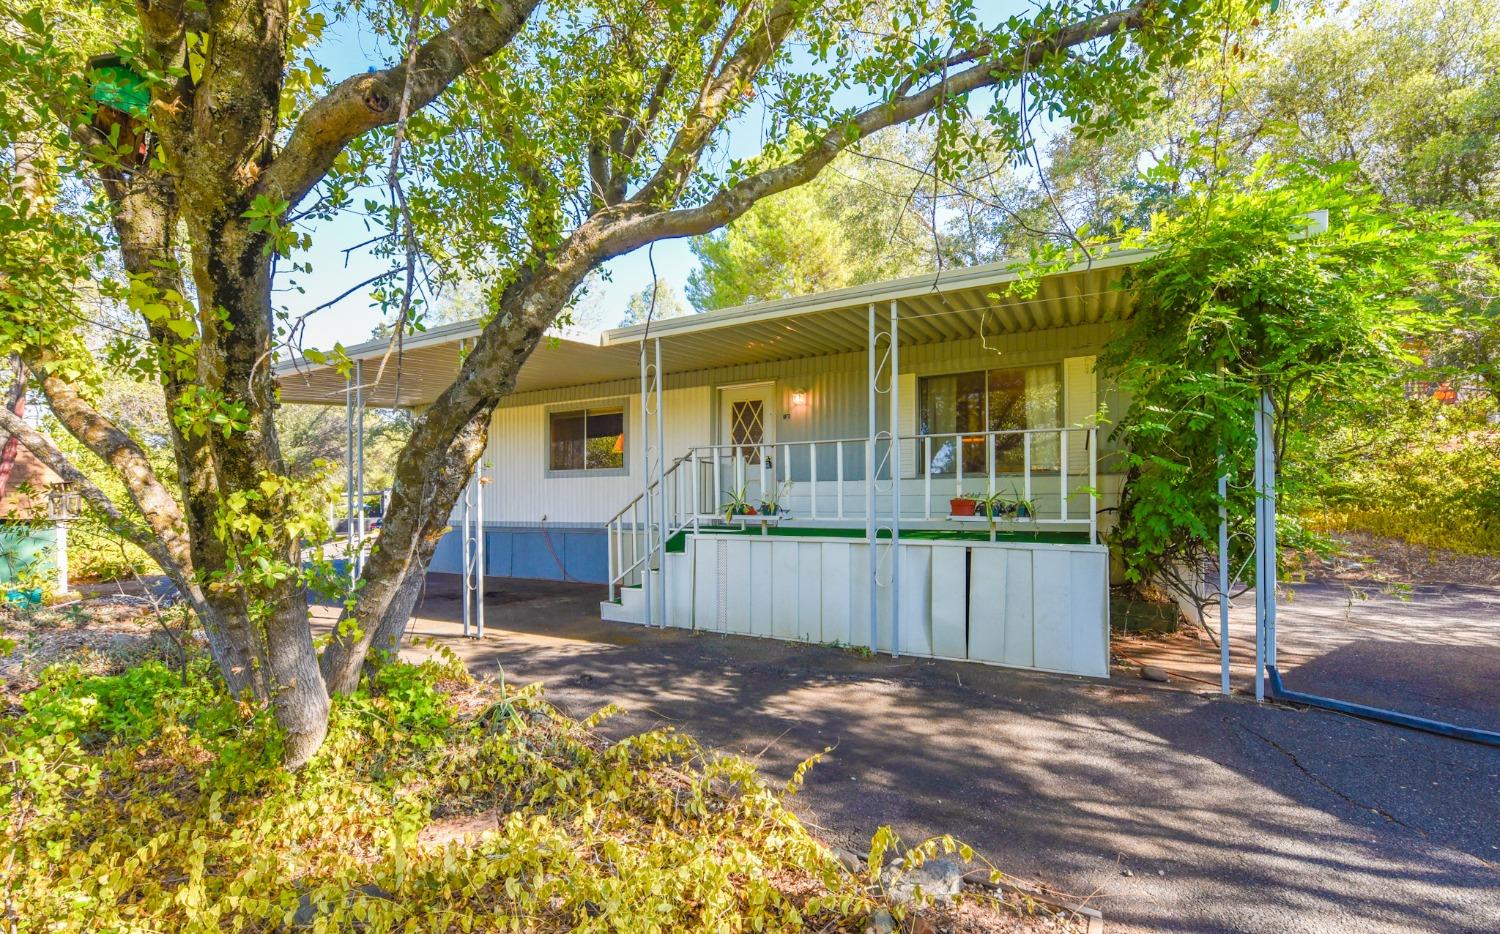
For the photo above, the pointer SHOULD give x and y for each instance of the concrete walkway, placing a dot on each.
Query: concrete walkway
(1167, 810)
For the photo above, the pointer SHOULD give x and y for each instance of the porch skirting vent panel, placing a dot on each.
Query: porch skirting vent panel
(1022, 605)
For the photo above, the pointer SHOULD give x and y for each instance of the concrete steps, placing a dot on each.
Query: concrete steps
(631, 605)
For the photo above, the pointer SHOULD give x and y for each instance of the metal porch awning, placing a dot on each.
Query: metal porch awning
(936, 307)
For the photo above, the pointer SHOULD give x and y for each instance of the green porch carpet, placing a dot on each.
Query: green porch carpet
(678, 543)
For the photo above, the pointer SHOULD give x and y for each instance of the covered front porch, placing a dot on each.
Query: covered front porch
(790, 468)
(791, 541)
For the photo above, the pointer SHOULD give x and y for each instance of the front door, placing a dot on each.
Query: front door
(747, 426)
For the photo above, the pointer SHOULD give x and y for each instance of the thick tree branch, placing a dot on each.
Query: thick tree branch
(601, 176)
(47, 451)
(363, 102)
(116, 448)
(735, 200)
(630, 141)
(714, 101)
(610, 160)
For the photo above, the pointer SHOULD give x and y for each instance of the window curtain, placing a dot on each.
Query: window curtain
(1043, 405)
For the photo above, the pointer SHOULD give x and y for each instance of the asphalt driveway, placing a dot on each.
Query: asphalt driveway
(1432, 650)
(1167, 810)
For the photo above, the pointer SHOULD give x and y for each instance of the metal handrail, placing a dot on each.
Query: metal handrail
(642, 495)
(614, 530)
(774, 463)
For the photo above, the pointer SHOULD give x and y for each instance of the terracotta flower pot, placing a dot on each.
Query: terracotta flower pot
(961, 506)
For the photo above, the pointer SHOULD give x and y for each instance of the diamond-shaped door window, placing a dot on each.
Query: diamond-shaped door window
(747, 429)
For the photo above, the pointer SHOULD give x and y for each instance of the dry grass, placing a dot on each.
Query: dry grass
(1374, 558)
(103, 635)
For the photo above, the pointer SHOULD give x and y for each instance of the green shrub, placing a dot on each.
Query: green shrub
(147, 801)
(1427, 474)
(1240, 301)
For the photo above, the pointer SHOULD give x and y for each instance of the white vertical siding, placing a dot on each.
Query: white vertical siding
(1080, 404)
(522, 492)
(907, 423)
(1024, 605)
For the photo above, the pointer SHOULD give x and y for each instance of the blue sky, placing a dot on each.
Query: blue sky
(348, 48)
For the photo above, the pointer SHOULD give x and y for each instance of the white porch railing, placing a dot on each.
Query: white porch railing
(630, 532)
(822, 482)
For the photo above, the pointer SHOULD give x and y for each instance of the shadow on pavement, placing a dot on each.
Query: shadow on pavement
(1169, 811)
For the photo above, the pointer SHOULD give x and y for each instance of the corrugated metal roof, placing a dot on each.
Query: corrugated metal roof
(934, 307)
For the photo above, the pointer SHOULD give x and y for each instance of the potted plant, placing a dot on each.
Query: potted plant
(993, 506)
(1024, 510)
(962, 505)
(735, 504)
(770, 504)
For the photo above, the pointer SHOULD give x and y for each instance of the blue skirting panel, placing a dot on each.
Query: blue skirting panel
(532, 552)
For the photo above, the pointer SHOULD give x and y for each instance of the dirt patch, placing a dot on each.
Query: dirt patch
(1370, 558)
(998, 913)
(102, 635)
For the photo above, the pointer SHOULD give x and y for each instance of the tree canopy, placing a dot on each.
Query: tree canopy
(182, 173)
(1243, 295)
(654, 303)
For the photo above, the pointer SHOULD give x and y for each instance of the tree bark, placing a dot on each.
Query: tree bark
(448, 441)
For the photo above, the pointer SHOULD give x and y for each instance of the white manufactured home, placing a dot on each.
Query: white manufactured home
(847, 421)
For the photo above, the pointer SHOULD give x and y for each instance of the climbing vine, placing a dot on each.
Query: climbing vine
(1245, 294)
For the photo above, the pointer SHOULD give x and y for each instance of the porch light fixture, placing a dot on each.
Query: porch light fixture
(799, 398)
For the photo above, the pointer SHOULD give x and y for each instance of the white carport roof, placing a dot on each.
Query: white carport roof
(934, 307)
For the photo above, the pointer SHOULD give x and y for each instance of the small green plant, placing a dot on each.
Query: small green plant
(772, 503)
(991, 505)
(863, 651)
(736, 504)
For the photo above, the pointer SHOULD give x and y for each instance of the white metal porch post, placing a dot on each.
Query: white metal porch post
(894, 456)
(871, 533)
(359, 467)
(464, 561)
(471, 546)
(479, 481)
(645, 489)
(1265, 542)
(1223, 575)
(654, 597)
(1268, 536)
(661, 496)
(887, 364)
(349, 477)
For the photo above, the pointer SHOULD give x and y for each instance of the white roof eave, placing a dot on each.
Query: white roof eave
(998, 273)
(969, 277)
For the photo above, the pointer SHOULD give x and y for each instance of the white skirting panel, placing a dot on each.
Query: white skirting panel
(1023, 605)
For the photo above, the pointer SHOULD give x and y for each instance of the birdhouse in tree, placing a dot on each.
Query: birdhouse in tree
(121, 97)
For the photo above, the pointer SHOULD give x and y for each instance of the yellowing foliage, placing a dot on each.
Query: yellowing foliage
(152, 801)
